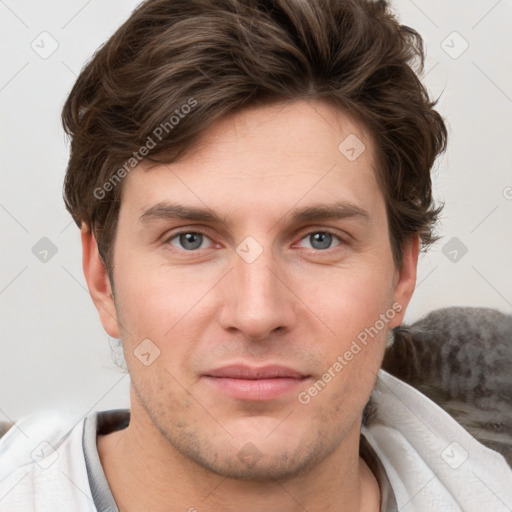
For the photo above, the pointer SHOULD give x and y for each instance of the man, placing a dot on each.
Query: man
(252, 184)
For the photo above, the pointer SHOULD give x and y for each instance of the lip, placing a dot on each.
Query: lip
(255, 383)
(240, 371)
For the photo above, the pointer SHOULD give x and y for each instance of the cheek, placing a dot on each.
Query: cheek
(355, 308)
(156, 298)
(167, 306)
(350, 300)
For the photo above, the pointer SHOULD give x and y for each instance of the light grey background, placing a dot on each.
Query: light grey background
(53, 350)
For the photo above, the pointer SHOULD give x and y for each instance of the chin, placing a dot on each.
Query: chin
(249, 463)
(262, 457)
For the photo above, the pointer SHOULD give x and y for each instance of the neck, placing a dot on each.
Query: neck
(146, 473)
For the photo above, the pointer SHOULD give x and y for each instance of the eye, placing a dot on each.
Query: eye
(320, 240)
(189, 241)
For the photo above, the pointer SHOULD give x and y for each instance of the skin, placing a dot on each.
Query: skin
(296, 305)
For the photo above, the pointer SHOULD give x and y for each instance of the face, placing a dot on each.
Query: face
(254, 288)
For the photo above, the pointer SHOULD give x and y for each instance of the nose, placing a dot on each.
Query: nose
(257, 299)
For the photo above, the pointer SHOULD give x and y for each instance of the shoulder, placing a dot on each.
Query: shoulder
(422, 448)
(460, 358)
(42, 466)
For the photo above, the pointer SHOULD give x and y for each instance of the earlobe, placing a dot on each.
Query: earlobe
(98, 282)
(405, 280)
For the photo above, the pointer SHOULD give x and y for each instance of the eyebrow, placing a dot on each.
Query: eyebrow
(337, 210)
(165, 210)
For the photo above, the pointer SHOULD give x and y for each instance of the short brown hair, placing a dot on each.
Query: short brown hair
(221, 56)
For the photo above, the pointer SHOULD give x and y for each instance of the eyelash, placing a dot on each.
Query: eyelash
(309, 233)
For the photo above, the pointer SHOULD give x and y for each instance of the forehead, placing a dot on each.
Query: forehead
(266, 158)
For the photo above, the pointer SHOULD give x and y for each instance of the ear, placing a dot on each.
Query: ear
(405, 280)
(98, 282)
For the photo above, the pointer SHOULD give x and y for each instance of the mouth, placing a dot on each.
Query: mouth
(255, 383)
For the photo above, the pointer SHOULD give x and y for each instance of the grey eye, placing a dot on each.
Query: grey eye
(188, 241)
(320, 240)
